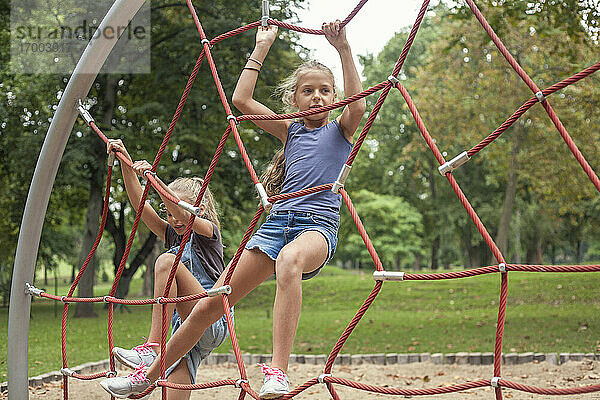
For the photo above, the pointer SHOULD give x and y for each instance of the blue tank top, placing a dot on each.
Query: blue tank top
(313, 157)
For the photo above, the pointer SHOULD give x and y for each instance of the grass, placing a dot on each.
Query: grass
(546, 313)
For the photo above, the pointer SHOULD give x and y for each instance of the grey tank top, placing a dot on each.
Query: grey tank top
(313, 157)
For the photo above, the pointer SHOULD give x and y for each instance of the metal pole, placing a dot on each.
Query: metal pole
(94, 56)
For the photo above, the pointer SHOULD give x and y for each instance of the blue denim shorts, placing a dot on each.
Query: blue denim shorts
(212, 338)
(282, 227)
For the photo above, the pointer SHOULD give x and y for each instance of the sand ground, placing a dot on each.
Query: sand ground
(407, 376)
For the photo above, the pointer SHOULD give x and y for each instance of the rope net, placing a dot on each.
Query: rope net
(380, 275)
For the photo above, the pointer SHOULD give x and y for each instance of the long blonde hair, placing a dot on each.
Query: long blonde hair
(190, 188)
(287, 88)
(274, 175)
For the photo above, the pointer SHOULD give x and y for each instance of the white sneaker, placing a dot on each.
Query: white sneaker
(276, 383)
(137, 355)
(122, 387)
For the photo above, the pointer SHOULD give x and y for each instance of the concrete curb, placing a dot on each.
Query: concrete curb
(461, 358)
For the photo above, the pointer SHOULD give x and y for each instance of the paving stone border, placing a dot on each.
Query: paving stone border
(460, 358)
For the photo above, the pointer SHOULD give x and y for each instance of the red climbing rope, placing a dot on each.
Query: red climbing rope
(501, 268)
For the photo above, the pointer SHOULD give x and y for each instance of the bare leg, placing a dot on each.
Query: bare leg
(184, 284)
(253, 268)
(304, 254)
(180, 375)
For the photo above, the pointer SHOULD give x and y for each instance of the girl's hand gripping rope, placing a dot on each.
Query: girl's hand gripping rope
(118, 146)
(334, 35)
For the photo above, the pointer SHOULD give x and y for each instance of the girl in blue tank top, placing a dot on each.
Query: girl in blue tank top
(300, 234)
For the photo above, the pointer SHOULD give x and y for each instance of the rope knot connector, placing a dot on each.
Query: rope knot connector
(322, 377)
(158, 381)
(111, 374)
(111, 159)
(388, 276)
(494, 381)
(67, 371)
(394, 80)
(502, 267)
(62, 298)
(159, 300)
(85, 114)
(232, 117)
(32, 290)
(105, 299)
(540, 96)
(189, 208)
(203, 41)
(217, 291)
(238, 383)
(264, 20)
(456, 162)
(341, 179)
(264, 198)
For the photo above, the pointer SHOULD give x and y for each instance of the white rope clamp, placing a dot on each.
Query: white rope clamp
(232, 117)
(388, 276)
(67, 371)
(189, 208)
(264, 198)
(456, 162)
(502, 267)
(159, 380)
(494, 381)
(540, 96)
(217, 291)
(238, 383)
(62, 298)
(105, 299)
(32, 290)
(264, 20)
(205, 41)
(322, 377)
(85, 114)
(341, 179)
(159, 300)
(394, 80)
(111, 374)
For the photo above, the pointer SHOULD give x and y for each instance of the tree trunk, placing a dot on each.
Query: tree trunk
(148, 287)
(509, 194)
(97, 166)
(518, 237)
(140, 257)
(86, 284)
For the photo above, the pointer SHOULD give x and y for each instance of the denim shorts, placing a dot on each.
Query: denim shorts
(212, 338)
(282, 227)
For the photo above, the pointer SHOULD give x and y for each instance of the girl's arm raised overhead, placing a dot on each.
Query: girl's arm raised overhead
(353, 112)
(180, 216)
(134, 191)
(243, 94)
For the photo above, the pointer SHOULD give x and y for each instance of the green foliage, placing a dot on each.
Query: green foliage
(394, 226)
(546, 313)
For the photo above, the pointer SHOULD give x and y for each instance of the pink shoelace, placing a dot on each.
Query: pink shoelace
(145, 347)
(139, 374)
(272, 372)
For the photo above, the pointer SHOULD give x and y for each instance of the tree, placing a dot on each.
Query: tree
(394, 226)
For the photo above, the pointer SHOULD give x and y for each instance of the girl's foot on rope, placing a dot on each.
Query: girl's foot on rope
(276, 383)
(122, 387)
(142, 354)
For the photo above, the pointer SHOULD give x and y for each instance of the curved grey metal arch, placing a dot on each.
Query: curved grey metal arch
(94, 56)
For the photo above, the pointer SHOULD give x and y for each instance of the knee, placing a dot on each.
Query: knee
(163, 263)
(289, 266)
